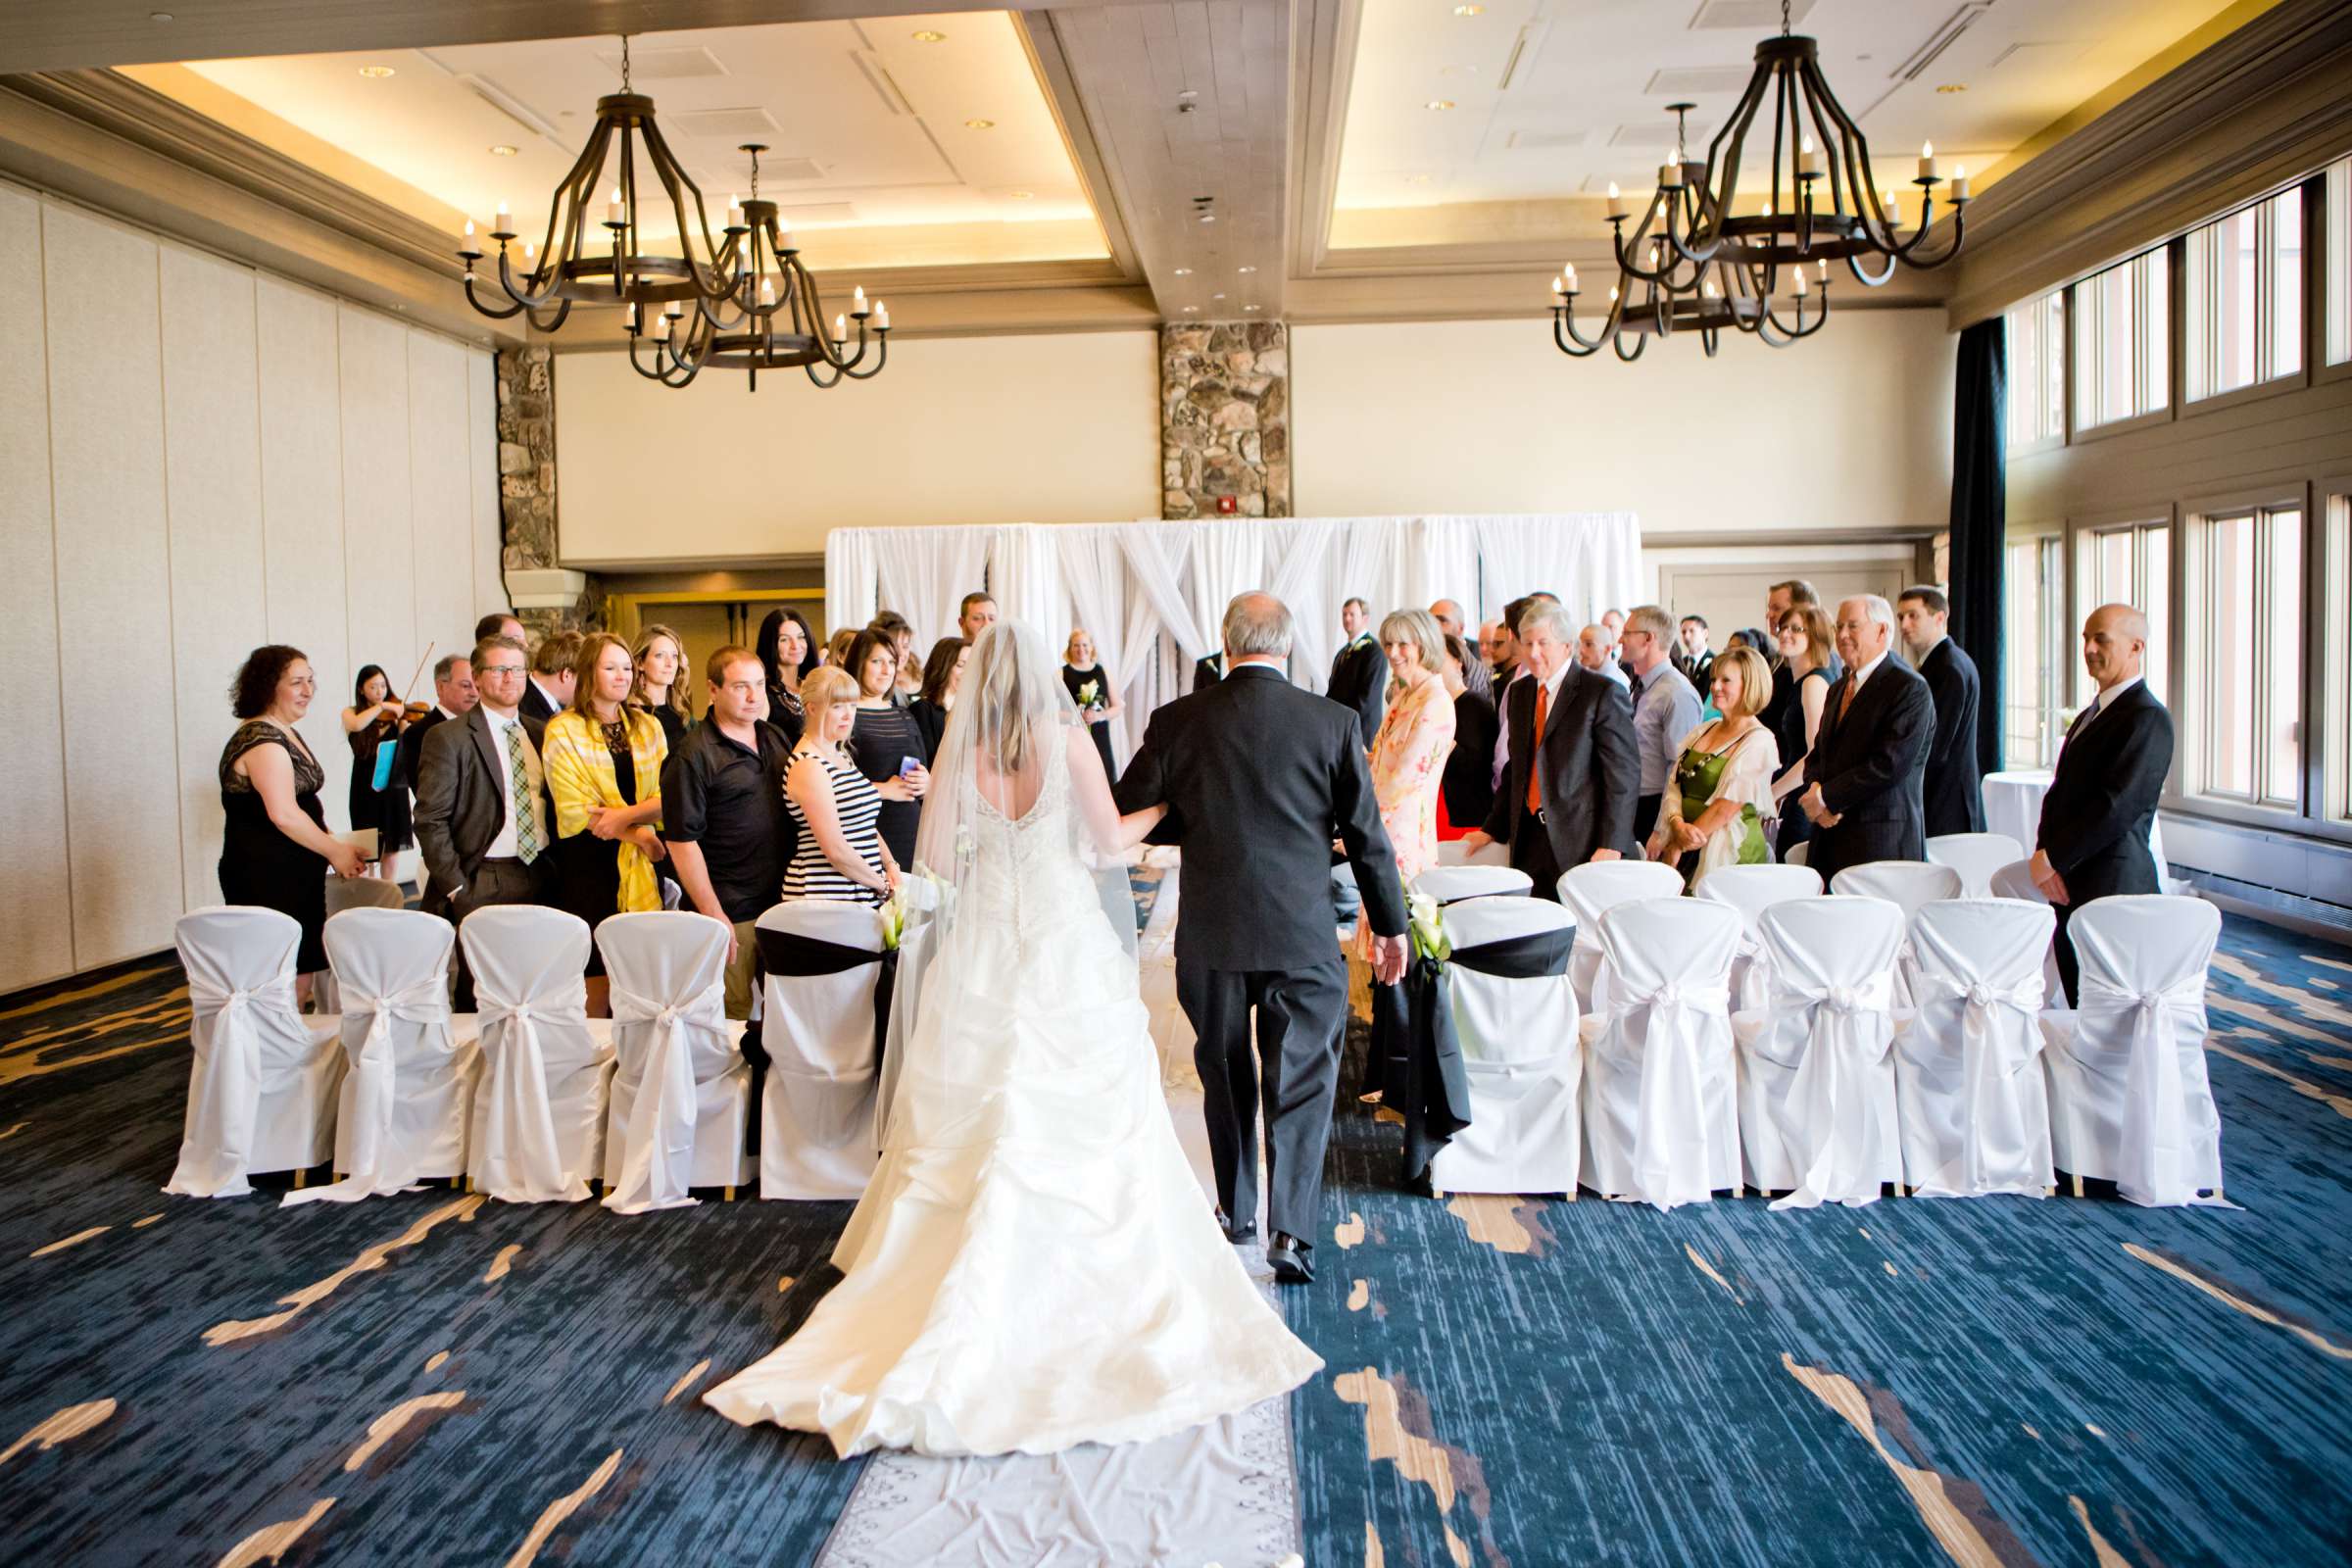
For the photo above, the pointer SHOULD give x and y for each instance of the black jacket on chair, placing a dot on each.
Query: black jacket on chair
(1869, 761)
(1952, 798)
(1259, 777)
(1207, 671)
(2102, 805)
(1588, 776)
(1360, 680)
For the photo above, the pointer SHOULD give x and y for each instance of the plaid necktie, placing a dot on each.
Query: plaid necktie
(527, 820)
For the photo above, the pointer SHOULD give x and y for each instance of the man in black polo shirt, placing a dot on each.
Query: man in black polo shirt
(722, 809)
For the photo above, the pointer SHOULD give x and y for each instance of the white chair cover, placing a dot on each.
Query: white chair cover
(351, 893)
(2017, 882)
(1975, 856)
(1817, 1079)
(816, 1111)
(262, 1087)
(2129, 1098)
(1797, 853)
(1592, 891)
(404, 1106)
(1907, 884)
(1520, 1053)
(1450, 852)
(1752, 890)
(681, 1095)
(1660, 1124)
(1451, 884)
(539, 1114)
(1968, 1092)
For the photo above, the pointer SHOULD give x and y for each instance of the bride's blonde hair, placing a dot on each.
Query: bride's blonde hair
(993, 685)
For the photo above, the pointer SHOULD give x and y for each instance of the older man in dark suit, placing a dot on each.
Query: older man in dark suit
(1863, 776)
(2101, 803)
(1568, 789)
(1953, 796)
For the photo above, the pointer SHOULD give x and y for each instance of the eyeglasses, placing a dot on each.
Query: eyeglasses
(499, 669)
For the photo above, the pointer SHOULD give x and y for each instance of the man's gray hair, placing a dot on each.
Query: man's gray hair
(1878, 609)
(1258, 623)
(1651, 619)
(445, 663)
(1553, 618)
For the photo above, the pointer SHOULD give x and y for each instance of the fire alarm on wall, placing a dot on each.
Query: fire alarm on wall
(1227, 506)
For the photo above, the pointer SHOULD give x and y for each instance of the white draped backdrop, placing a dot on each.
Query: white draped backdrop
(1152, 593)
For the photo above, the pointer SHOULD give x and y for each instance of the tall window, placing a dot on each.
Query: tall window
(2338, 207)
(2120, 327)
(2037, 652)
(2248, 674)
(2245, 297)
(2037, 371)
(2338, 702)
(2126, 563)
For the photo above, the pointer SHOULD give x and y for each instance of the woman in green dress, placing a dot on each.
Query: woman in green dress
(1717, 803)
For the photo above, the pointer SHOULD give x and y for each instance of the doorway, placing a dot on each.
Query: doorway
(708, 619)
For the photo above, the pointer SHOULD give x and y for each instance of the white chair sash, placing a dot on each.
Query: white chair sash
(1991, 1059)
(1672, 1158)
(520, 1157)
(657, 1157)
(1829, 1096)
(377, 1165)
(2155, 1127)
(217, 1148)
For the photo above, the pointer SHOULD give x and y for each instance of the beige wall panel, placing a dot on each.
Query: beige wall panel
(379, 551)
(302, 507)
(1849, 429)
(106, 438)
(212, 484)
(37, 933)
(440, 460)
(1051, 428)
(481, 483)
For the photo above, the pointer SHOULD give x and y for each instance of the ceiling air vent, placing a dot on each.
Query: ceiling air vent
(666, 64)
(1544, 140)
(1749, 16)
(1696, 81)
(732, 126)
(1657, 133)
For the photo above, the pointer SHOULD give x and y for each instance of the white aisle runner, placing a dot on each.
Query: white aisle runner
(1225, 1493)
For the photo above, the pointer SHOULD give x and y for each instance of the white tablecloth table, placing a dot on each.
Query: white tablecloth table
(2013, 805)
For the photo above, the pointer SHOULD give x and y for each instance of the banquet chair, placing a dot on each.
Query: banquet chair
(1660, 1115)
(2017, 882)
(1907, 885)
(1969, 1094)
(262, 1087)
(351, 893)
(1591, 890)
(1797, 853)
(1752, 890)
(681, 1093)
(816, 1109)
(1520, 1053)
(1451, 884)
(1817, 1114)
(2129, 1098)
(539, 1114)
(1975, 856)
(1450, 852)
(404, 1106)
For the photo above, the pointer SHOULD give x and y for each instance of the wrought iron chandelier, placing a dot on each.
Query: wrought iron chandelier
(736, 288)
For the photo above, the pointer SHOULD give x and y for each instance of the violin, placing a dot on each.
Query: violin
(411, 712)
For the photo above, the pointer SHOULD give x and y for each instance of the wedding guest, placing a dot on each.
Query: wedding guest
(1862, 780)
(1718, 801)
(1416, 734)
(1504, 676)
(1804, 665)
(885, 742)
(554, 675)
(453, 698)
(1568, 794)
(1091, 689)
(724, 816)
(1499, 652)
(1359, 675)
(2092, 839)
(661, 657)
(1447, 613)
(275, 850)
(943, 672)
(1953, 800)
(1468, 792)
(1666, 708)
(500, 624)
(378, 790)
(840, 852)
(837, 648)
(1595, 650)
(787, 653)
(604, 772)
(893, 625)
(1692, 655)
(974, 615)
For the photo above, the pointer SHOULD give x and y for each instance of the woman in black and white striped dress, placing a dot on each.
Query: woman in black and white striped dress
(834, 808)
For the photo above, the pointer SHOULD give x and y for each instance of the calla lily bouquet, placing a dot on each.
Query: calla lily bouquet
(894, 917)
(1090, 695)
(1428, 926)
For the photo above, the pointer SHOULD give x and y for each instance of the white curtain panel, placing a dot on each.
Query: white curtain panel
(848, 577)
(923, 573)
(1094, 571)
(1439, 560)
(1592, 560)
(1360, 563)
(1226, 559)
(1025, 575)
(1156, 558)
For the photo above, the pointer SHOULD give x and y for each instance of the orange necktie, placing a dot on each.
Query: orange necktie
(1535, 796)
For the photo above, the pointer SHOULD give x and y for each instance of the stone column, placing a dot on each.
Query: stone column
(1225, 418)
(526, 484)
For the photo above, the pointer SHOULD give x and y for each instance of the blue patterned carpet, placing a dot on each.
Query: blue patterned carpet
(432, 1380)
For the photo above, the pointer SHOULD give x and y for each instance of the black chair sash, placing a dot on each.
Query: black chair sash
(1414, 1038)
(785, 952)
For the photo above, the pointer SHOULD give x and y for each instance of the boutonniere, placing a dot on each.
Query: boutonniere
(1090, 694)
(1428, 925)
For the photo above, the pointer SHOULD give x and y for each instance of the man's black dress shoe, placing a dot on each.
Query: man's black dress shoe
(1289, 1258)
(1235, 1234)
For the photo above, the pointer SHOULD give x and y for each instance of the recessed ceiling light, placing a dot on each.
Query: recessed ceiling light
(501, 150)
(1416, 179)
(928, 36)
(1216, 296)
(1440, 103)
(1184, 271)
(1250, 308)
(1248, 268)
(1192, 309)
(159, 16)
(1022, 195)
(1951, 86)
(1208, 217)
(979, 124)
(377, 72)
(1469, 11)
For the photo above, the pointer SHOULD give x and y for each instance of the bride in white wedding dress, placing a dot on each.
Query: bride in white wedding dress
(1034, 1265)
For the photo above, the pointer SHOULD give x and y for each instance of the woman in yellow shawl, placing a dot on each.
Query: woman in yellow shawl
(604, 769)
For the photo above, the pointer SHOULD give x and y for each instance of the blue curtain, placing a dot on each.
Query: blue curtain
(1980, 520)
